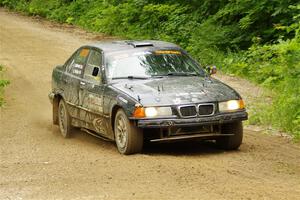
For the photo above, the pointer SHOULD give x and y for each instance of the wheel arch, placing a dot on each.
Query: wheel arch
(114, 111)
(56, 99)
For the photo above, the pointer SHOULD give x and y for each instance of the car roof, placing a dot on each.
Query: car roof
(123, 45)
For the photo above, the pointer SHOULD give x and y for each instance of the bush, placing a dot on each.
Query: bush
(3, 83)
(277, 67)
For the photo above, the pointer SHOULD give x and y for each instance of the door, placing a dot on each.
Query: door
(73, 75)
(91, 93)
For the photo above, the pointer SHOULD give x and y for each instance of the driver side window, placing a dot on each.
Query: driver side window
(92, 71)
(76, 64)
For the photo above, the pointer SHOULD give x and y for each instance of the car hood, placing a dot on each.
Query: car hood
(176, 90)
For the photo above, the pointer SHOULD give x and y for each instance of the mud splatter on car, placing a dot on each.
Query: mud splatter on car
(137, 91)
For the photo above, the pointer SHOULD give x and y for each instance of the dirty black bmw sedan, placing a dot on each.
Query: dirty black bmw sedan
(133, 92)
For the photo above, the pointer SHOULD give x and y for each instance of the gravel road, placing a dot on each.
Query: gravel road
(37, 163)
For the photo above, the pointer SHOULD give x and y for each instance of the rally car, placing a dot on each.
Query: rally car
(133, 92)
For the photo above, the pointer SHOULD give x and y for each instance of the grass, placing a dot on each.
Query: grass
(3, 84)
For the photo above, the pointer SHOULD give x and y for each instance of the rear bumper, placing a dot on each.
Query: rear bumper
(210, 120)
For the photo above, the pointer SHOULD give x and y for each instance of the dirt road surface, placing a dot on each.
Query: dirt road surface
(37, 163)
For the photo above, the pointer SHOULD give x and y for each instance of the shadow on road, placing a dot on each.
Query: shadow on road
(182, 148)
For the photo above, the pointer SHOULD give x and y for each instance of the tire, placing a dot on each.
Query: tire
(231, 142)
(128, 137)
(64, 120)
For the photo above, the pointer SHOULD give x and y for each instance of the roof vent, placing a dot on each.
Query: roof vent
(139, 44)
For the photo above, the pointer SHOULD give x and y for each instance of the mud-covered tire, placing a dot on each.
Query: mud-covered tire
(231, 142)
(64, 119)
(128, 137)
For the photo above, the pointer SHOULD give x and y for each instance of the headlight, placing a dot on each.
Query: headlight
(141, 112)
(231, 105)
(158, 111)
(151, 112)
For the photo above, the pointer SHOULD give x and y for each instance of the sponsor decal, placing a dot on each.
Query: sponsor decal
(168, 52)
(76, 71)
(78, 66)
(94, 103)
(99, 125)
(84, 52)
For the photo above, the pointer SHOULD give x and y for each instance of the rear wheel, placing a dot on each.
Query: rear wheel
(64, 120)
(231, 142)
(128, 137)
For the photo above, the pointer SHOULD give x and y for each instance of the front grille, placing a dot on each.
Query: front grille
(206, 109)
(188, 111)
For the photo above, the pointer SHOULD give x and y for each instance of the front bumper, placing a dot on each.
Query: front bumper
(177, 122)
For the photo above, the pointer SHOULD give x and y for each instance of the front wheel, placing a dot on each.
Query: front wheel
(128, 137)
(231, 142)
(64, 120)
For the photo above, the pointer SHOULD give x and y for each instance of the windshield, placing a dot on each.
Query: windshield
(148, 64)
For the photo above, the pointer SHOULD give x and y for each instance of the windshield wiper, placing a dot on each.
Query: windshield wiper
(131, 77)
(157, 76)
(177, 74)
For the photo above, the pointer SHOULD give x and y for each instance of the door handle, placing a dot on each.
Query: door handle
(82, 84)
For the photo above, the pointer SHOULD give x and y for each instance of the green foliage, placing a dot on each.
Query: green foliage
(204, 24)
(3, 83)
(277, 67)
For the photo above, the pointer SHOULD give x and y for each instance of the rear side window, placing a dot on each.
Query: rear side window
(76, 64)
(92, 71)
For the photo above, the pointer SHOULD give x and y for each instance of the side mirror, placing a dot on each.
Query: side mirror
(95, 71)
(211, 69)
